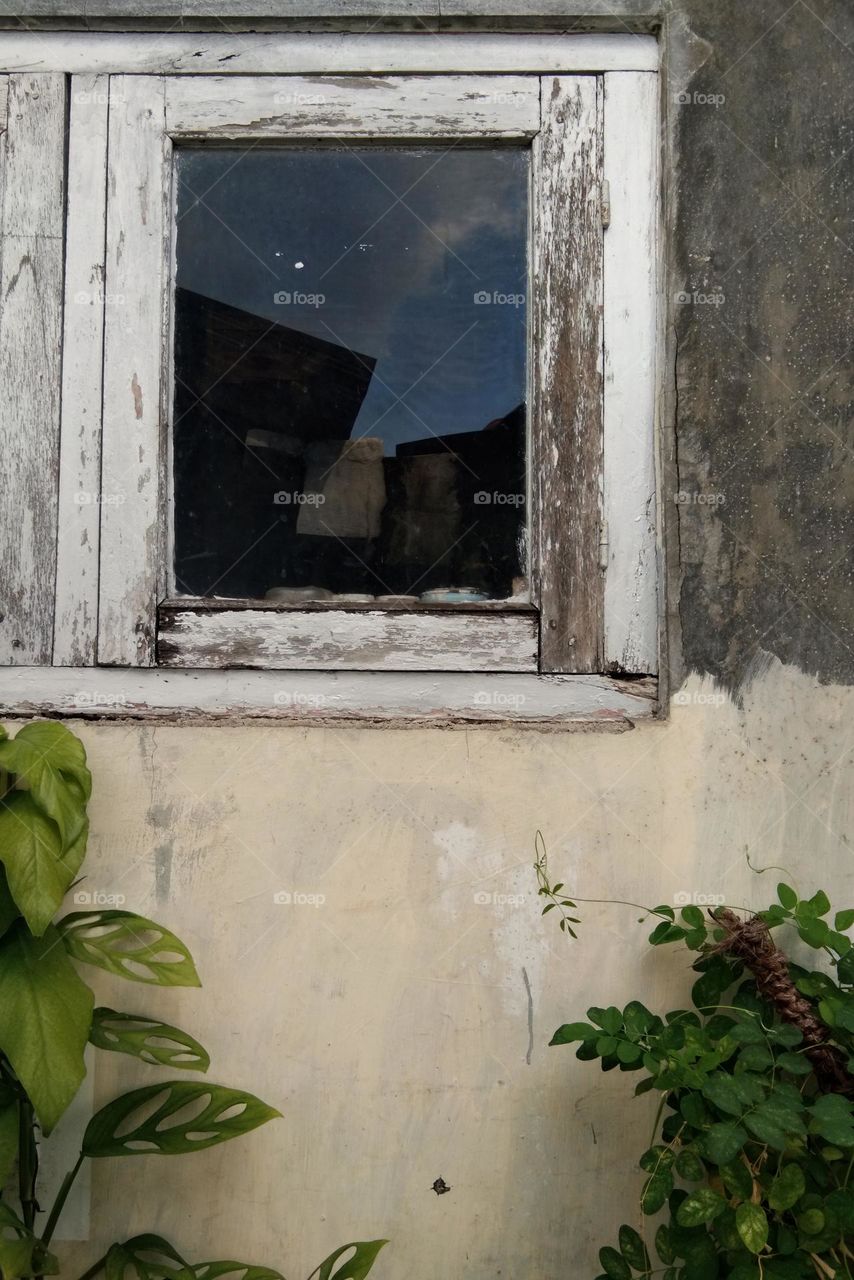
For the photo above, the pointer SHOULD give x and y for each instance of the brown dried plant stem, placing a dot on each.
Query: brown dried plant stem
(750, 942)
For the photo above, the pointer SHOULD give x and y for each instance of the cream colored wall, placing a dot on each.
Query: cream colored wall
(391, 1023)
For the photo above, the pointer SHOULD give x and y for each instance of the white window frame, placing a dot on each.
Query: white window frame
(111, 556)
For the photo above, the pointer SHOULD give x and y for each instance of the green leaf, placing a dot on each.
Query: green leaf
(820, 903)
(21, 1253)
(629, 1053)
(148, 1257)
(787, 896)
(666, 932)
(51, 760)
(689, 1165)
(657, 1158)
(702, 1205)
(656, 1190)
(664, 1244)
(831, 1118)
(31, 852)
(610, 1019)
(147, 1039)
(813, 932)
(129, 946)
(45, 1015)
(149, 1122)
(844, 919)
(737, 1179)
(787, 1188)
(811, 1222)
(694, 917)
(784, 1033)
(756, 1057)
(724, 1141)
(797, 1064)
(614, 1266)
(633, 1248)
(721, 1090)
(572, 1031)
(752, 1225)
(637, 1019)
(354, 1268)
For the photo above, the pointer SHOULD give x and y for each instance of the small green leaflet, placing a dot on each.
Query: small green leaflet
(702, 1205)
(832, 1119)
(633, 1248)
(752, 1226)
(614, 1265)
(787, 1188)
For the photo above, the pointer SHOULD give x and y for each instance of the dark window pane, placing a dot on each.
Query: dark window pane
(350, 350)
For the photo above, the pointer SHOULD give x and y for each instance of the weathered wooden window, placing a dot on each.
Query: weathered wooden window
(357, 371)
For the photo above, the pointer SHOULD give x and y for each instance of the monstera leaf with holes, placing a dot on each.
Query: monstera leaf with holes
(47, 1018)
(146, 1038)
(129, 946)
(150, 1257)
(172, 1119)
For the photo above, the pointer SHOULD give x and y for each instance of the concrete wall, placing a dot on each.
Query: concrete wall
(402, 1025)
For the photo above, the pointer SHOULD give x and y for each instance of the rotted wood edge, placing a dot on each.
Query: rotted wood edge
(394, 699)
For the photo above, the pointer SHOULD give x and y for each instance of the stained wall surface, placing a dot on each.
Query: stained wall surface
(398, 1009)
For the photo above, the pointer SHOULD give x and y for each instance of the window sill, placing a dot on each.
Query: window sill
(398, 699)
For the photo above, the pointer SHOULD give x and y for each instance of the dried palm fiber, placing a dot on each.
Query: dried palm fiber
(750, 942)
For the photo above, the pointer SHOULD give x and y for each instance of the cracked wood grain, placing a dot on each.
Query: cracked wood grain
(567, 373)
(135, 329)
(369, 640)
(76, 622)
(31, 225)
